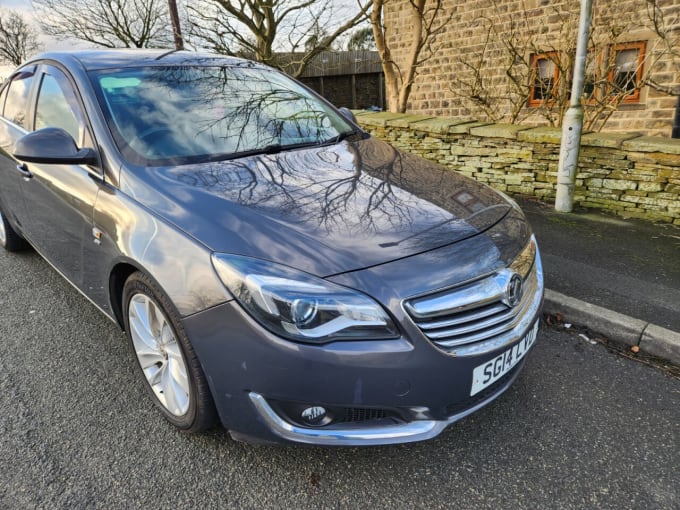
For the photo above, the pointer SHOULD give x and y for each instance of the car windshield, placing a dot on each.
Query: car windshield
(184, 114)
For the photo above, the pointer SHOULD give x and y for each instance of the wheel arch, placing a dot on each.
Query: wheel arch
(117, 278)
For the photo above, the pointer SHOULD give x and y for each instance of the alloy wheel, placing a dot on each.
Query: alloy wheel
(3, 232)
(159, 354)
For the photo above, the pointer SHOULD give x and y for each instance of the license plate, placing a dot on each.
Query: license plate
(488, 373)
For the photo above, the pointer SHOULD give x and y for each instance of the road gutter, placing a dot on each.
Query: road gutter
(650, 338)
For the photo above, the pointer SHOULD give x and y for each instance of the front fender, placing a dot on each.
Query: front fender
(132, 234)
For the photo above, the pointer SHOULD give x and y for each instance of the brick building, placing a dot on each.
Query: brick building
(510, 61)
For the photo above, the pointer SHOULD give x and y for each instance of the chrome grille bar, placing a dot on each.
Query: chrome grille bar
(487, 329)
(477, 317)
(471, 316)
(472, 295)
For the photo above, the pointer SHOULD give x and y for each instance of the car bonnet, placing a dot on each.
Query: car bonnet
(326, 210)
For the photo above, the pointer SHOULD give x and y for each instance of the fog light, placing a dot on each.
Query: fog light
(315, 415)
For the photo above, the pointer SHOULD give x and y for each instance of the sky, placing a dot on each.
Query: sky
(15, 4)
(24, 7)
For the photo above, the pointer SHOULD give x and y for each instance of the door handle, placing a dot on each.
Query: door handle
(23, 170)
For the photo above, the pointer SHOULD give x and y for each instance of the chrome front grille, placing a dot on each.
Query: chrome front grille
(481, 316)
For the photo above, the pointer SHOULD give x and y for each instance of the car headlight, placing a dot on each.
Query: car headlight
(299, 306)
(525, 260)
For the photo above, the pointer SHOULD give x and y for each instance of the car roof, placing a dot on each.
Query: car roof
(96, 59)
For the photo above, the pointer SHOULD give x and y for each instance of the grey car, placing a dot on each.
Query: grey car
(275, 268)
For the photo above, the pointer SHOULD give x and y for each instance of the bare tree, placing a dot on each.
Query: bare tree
(515, 89)
(426, 20)
(668, 45)
(260, 28)
(17, 39)
(108, 23)
(501, 91)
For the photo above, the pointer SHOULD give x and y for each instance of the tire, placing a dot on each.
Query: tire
(9, 239)
(169, 366)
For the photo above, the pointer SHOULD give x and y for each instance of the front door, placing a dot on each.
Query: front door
(60, 198)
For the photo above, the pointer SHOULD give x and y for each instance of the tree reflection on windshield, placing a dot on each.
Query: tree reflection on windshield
(181, 114)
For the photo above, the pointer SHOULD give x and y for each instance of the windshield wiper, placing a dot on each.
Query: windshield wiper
(273, 148)
(340, 137)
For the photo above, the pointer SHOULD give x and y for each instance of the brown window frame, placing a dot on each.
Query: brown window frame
(634, 97)
(600, 92)
(552, 56)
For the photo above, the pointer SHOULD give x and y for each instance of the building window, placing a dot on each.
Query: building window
(625, 71)
(544, 73)
(620, 79)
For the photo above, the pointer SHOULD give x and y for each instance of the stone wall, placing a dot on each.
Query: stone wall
(630, 175)
(487, 41)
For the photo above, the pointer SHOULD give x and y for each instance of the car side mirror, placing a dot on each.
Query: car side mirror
(348, 114)
(52, 146)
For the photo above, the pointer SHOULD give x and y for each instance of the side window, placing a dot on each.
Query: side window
(16, 104)
(57, 107)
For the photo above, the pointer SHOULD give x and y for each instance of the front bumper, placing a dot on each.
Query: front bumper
(369, 435)
(416, 388)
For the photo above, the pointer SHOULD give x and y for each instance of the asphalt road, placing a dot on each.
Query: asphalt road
(629, 266)
(581, 428)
